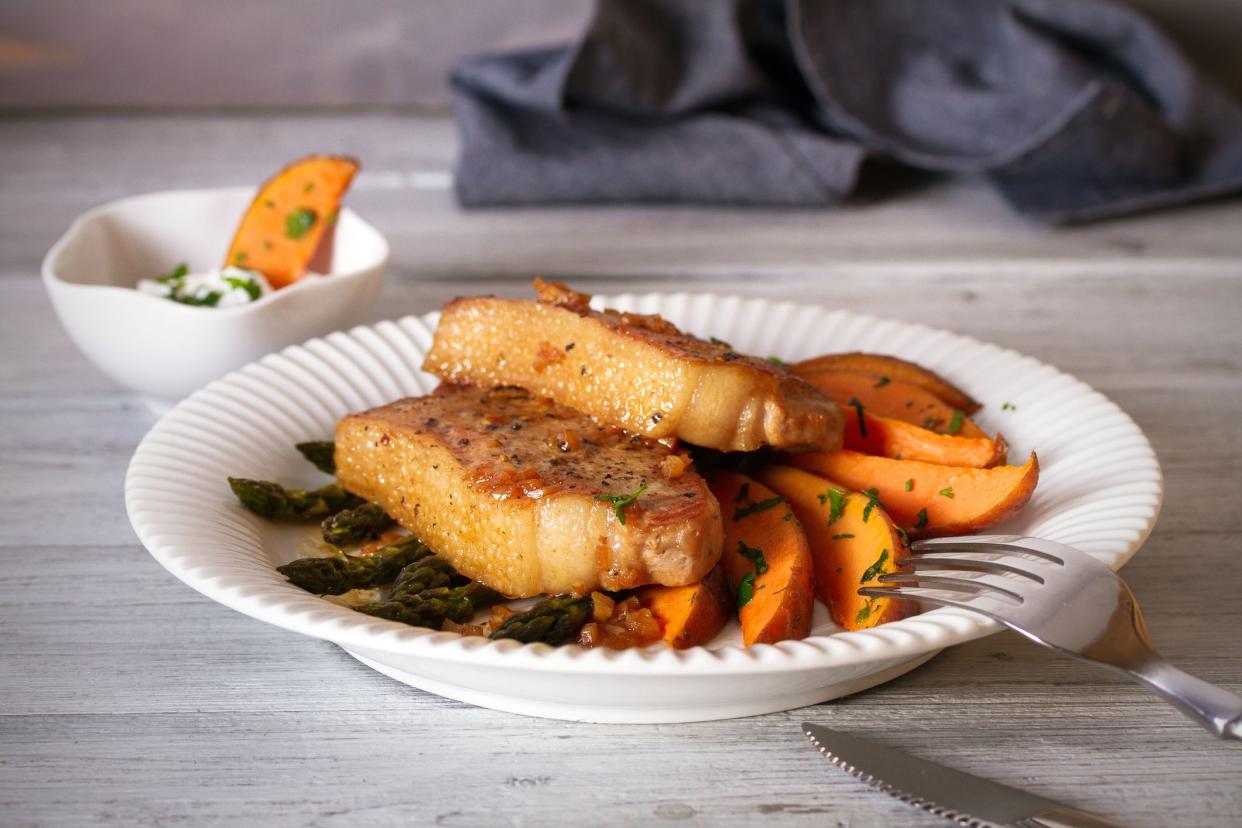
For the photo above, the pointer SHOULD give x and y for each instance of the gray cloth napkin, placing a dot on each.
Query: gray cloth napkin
(1075, 109)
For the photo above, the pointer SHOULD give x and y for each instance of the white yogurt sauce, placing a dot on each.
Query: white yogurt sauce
(220, 288)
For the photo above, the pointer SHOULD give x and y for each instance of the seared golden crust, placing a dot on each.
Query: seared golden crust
(636, 371)
(504, 485)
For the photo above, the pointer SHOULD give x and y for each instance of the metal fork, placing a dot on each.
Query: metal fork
(1062, 598)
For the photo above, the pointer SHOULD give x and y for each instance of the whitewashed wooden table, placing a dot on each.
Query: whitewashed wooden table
(128, 699)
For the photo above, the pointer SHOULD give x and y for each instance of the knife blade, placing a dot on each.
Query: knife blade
(954, 795)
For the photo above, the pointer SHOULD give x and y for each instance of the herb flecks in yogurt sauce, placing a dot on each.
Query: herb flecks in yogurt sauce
(224, 287)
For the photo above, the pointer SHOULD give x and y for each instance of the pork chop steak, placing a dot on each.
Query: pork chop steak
(638, 372)
(521, 493)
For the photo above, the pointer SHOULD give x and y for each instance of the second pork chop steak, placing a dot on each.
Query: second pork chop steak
(638, 372)
(505, 486)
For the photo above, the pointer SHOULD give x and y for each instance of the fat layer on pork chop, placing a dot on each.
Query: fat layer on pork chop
(524, 495)
(635, 371)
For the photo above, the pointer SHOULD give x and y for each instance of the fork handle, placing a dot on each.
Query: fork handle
(1216, 709)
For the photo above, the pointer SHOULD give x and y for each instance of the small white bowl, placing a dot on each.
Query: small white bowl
(166, 350)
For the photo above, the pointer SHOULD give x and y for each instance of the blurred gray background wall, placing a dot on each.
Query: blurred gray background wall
(312, 53)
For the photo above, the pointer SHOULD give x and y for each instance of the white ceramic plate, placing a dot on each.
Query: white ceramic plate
(1099, 490)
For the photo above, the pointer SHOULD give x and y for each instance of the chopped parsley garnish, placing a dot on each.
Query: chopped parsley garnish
(922, 519)
(873, 500)
(619, 502)
(175, 280)
(904, 537)
(1008, 407)
(929, 422)
(719, 342)
(176, 274)
(778, 362)
(743, 493)
(753, 554)
(757, 506)
(864, 613)
(788, 516)
(299, 222)
(882, 381)
(947, 492)
(249, 285)
(955, 423)
(210, 300)
(872, 572)
(837, 508)
(842, 536)
(310, 185)
(745, 589)
(862, 423)
(910, 485)
(240, 256)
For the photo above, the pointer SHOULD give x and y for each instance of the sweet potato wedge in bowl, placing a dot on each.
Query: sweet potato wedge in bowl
(286, 222)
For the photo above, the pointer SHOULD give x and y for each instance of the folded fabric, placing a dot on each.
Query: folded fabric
(1075, 109)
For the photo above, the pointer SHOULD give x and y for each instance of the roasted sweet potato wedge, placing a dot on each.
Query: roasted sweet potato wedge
(928, 499)
(900, 440)
(286, 222)
(882, 365)
(895, 399)
(693, 615)
(853, 542)
(767, 560)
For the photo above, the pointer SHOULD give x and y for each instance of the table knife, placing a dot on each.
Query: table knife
(953, 795)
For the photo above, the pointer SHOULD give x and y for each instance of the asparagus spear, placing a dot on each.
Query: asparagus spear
(321, 453)
(274, 501)
(336, 576)
(355, 525)
(431, 607)
(429, 573)
(556, 620)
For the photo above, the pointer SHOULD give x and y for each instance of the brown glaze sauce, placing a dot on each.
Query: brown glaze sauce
(513, 444)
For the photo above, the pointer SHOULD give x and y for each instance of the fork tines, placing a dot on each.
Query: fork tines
(966, 572)
(996, 544)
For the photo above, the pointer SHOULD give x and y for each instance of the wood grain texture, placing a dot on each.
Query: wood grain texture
(128, 699)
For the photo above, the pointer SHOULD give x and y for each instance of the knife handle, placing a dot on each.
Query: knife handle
(1063, 817)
